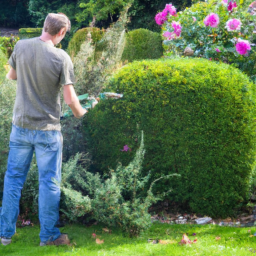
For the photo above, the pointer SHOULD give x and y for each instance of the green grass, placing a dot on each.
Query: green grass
(234, 241)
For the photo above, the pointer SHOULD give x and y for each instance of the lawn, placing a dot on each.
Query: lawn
(211, 240)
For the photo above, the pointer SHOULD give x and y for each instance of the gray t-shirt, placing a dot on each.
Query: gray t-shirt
(41, 71)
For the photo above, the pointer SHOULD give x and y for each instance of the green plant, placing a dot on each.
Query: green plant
(199, 120)
(142, 44)
(93, 71)
(80, 37)
(3, 66)
(29, 32)
(7, 44)
(7, 97)
(116, 200)
(214, 43)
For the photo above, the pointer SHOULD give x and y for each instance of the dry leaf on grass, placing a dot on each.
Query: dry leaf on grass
(217, 238)
(98, 241)
(185, 240)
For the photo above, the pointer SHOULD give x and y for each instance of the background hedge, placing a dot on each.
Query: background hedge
(198, 118)
(142, 44)
(29, 32)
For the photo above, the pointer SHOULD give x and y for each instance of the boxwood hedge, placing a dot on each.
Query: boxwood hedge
(142, 44)
(198, 118)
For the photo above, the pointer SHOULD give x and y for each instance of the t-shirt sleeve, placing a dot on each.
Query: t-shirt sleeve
(12, 59)
(67, 73)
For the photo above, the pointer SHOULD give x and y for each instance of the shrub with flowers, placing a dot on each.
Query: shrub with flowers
(217, 30)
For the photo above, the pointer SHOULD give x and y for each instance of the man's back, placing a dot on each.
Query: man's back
(42, 69)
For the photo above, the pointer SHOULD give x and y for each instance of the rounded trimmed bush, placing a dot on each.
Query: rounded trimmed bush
(142, 44)
(80, 36)
(198, 118)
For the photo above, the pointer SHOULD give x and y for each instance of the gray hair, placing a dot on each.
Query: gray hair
(54, 22)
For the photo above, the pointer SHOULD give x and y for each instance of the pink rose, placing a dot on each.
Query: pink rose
(160, 18)
(233, 24)
(169, 35)
(194, 19)
(218, 50)
(212, 20)
(177, 28)
(243, 46)
(169, 8)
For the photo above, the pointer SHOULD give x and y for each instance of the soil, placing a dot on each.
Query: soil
(8, 32)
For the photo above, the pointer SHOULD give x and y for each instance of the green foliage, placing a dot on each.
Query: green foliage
(204, 40)
(7, 97)
(142, 44)
(29, 32)
(3, 63)
(14, 13)
(81, 36)
(142, 12)
(92, 70)
(115, 201)
(199, 120)
(100, 9)
(7, 44)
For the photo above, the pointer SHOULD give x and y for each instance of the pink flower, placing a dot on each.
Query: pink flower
(177, 28)
(212, 20)
(218, 50)
(160, 18)
(225, 2)
(243, 46)
(169, 8)
(233, 24)
(126, 148)
(194, 19)
(231, 5)
(169, 35)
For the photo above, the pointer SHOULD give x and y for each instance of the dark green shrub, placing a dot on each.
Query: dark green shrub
(142, 44)
(199, 121)
(80, 37)
(29, 32)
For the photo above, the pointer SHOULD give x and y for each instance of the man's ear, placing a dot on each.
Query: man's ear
(62, 31)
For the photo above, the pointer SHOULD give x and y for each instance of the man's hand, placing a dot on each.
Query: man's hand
(72, 101)
(12, 75)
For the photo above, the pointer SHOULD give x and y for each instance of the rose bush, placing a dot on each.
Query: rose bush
(222, 31)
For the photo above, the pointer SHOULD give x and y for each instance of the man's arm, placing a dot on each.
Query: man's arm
(72, 101)
(12, 75)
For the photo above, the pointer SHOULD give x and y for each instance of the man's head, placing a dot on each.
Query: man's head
(55, 22)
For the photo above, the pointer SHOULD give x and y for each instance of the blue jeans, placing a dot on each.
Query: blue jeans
(48, 150)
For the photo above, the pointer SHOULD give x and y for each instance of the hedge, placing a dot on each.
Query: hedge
(142, 44)
(198, 118)
(80, 36)
(25, 33)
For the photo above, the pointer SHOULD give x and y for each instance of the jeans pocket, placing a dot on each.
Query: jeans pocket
(53, 141)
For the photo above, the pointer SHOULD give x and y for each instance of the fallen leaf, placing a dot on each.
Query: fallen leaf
(217, 238)
(185, 240)
(167, 242)
(251, 235)
(249, 231)
(98, 241)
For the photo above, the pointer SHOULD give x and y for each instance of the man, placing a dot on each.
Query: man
(41, 70)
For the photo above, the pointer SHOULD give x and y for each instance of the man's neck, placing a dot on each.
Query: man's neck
(47, 38)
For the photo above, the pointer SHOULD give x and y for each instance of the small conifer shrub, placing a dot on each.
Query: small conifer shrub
(116, 200)
(81, 36)
(199, 120)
